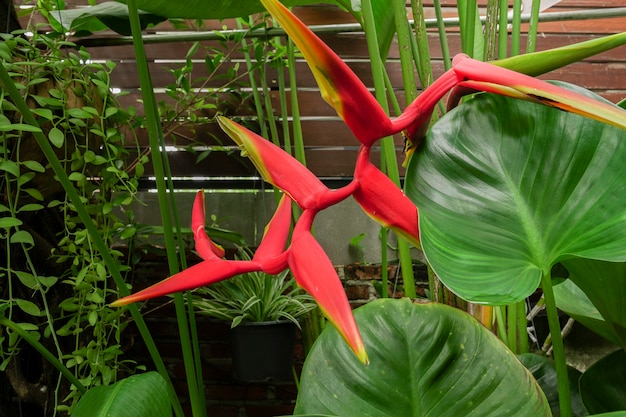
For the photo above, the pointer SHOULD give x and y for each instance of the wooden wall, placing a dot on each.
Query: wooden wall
(330, 147)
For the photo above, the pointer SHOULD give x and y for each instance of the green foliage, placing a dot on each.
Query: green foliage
(515, 194)
(425, 359)
(254, 297)
(142, 395)
(56, 283)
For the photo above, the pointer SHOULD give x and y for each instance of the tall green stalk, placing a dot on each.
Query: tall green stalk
(534, 23)
(388, 152)
(194, 378)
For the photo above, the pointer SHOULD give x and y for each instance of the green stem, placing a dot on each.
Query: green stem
(534, 23)
(156, 140)
(44, 352)
(558, 350)
(503, 22)
(421, 39)
(500, 312)
(388, 152)
(516, 27)
(511, 325)
(298, 138)
(521, 327)
(443, 39)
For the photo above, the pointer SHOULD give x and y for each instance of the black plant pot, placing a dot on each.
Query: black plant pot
(263, 352)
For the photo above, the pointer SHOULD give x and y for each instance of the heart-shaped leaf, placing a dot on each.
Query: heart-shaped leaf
(425, 360)
(507, 188)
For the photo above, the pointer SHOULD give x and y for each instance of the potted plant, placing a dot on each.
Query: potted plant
(263, 310)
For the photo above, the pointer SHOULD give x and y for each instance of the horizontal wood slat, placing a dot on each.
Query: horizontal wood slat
(330, 146)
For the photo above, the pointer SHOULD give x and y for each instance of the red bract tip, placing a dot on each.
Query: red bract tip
(206, 248)
(276, 166)
(315, 273)
(338, 84)
(204, 273)
(383, 201)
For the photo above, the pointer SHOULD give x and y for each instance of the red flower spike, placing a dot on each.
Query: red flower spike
(206, 248)
(339, 85)
(204, 273)
(270, 254)
(383, 201)
(314, 272)
(276, 166)
(491, 78)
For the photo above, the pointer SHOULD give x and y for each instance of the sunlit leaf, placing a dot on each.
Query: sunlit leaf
(505, 189)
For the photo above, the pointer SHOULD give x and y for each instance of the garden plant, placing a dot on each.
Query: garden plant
(518, 177)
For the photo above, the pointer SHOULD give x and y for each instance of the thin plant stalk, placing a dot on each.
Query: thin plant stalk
(443, 39)
(404, 47)
(521, 327)
(298, 138)
(532, 29)
(516, 25)
(387, 145)
(503, 23)
(500, 313)
(491, 30)
(511, 319)
(155, 136)
(98, 242)
(560, 365)
(423, 49)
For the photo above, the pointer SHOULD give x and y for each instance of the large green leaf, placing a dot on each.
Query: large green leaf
(84, 21)
(507, 188)
(426, 360)
(603, 385)
(216, 9)
(143, 395)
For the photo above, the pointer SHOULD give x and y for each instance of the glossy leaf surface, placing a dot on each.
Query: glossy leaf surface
(507, 188)
(425, 360)
(143, 395)
(604, 283)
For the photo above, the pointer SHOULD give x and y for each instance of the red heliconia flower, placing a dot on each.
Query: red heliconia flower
(314, 272)
(339, 85)
(206, 248)
(383, 201)
(271, 254)
(283, 170)
(482, 76)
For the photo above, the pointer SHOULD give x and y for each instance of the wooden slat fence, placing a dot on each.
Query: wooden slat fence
(330, 147)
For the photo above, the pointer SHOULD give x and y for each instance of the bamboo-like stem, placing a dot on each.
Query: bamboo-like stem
(516, 27)
(503, 21)
(387, 144)
(443, 39)
(155, 137)
(532, 30)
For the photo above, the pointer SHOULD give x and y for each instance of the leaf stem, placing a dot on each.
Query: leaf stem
(565, 403)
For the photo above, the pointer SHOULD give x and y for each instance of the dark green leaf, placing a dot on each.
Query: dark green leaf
(113, 15)
(603, 385)
(425, 360)
(543, 370)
